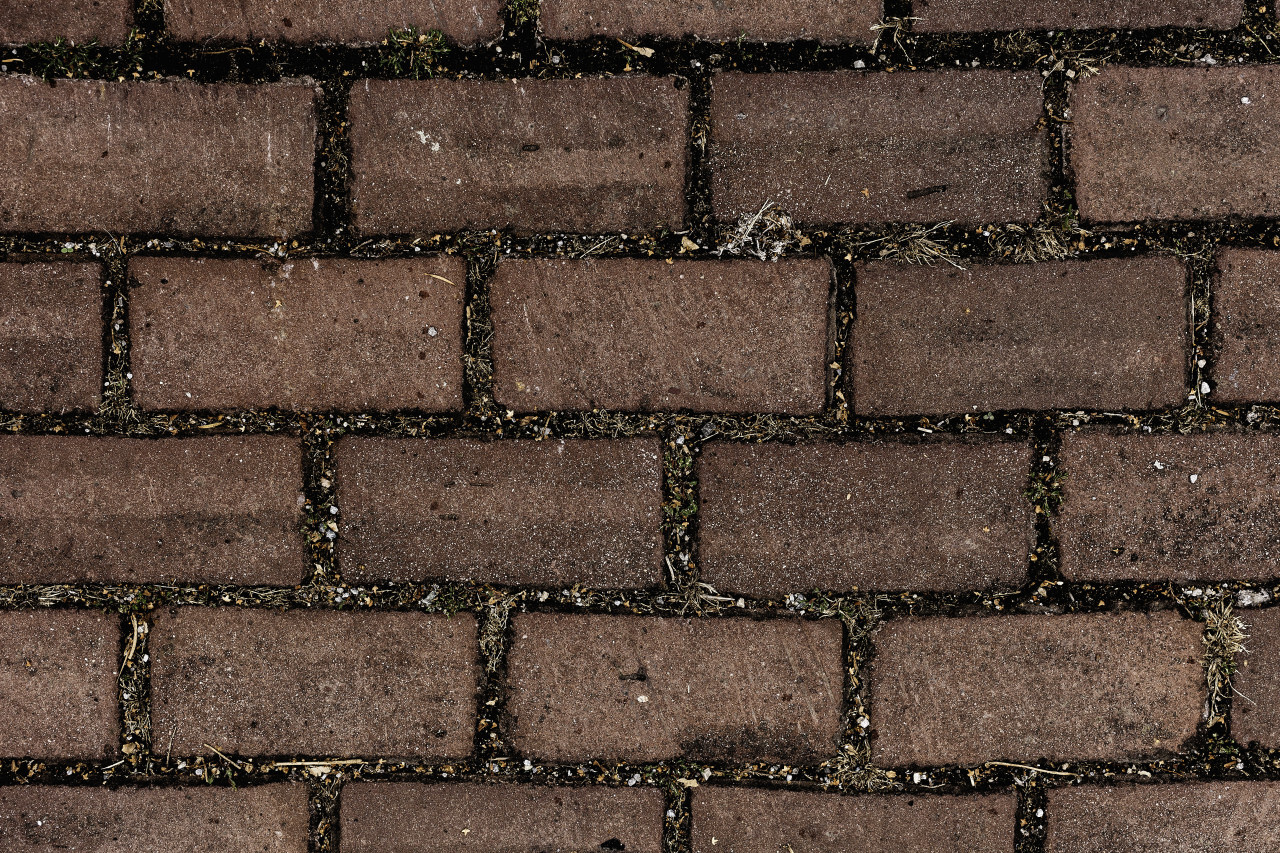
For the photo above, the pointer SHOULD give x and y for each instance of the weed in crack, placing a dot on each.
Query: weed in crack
(1052, 238)
(766, 234)
(411, 53)
(1225, 634)
(912, 244)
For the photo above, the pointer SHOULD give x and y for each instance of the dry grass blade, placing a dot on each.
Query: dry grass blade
(765, 234)
(914, 245)
(894, 27)
(1224, 638)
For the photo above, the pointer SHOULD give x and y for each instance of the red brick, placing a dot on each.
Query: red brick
(994, 337)
(1170, 507)
(1246, 313)
(829, 21)
(50, 336)
(1113, 686)
(779, 518)
(634, 688)
(326, 683)
(1211, 817)
(412, 817)
(173, 156)
(586, 155)
(751, 820)
(58, 684)
(336, 334)
(189, 819)
(219, 509)
(586, 512)
(874, 147)
(1255, 707)
(940, 16)
(632, 334)
(1176, 143)
(78, 21)
(352, 21)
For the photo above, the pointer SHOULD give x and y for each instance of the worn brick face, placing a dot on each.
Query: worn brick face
(985, 15)
(629, 688)
(173, 156)
(336, 334)
(1246, 317)
(831, 21)
(104, 21)
(587, 155)
(586, 512)
(351, 21)
(1113, 686)
(1255, 712)
(632, 334)
(993, 337)
(934, 516)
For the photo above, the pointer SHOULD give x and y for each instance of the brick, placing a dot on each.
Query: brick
(1176, 143)
(412, 817)
(1001, 337)
(187, 819)
(839, 147)
(584, 512)
(217, 509)
(1255, 709)
(586, 155)
(1212, 817)
(1246, 311)
(751, 820)
(634, 688)
(1113, 686)
(350, 21)
(78, 21)
(1169, 507)
(827, 21)
(645, 335)
(58, 684)
(954, 16)
(50, 337)
(336, 334)
(327, 683)
(171, 156)
(778, 518)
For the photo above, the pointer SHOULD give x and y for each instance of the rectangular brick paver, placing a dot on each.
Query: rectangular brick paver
(588, 155)
(79, 21)
(350, 21)
(985, 15)
(178, 157)
(875, 147)
(1113, 686)
(633, 688)
(1246, 327)
(631, 334)
(320, 683)
(1255, 708)
(992, 337)
(336, 334)
(831, 21)
(585, 512)
(464, 818)
(781, 518)
(223, 509)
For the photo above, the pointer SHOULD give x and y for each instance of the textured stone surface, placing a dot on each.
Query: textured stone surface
(778, 518)
(336, 334)
(831, 21)
(634, 688)
(586, 155)
(860, 147)
(633, 334)
(78, 21)
(1246, 324)
(50, 336)
(58, 685)
(1106, 687)
(218, 509)
(586, 512)
(464, 818)
(303, 682)
(1204, 506)
(941, 340)
(985, 15)
(177, 157)
(1255, 706)
(351, 21)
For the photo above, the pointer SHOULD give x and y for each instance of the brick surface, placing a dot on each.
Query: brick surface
(335, 334)
(872, 147)
(78, 21)
(586, 155)
(993, 337)
(220, 509)
(586, 512)
(746, 820)
(631, 334)
(417, 818)
(1246, 315)
(351, 21)
(829, 21)
(58, 684)
(922, 516)
(1176, 143)
(177, 157)
(1255, 709)
(1181, 507)
(1114, 686)
(629, 688)
(188, 819)
(1213, 817)
(50, 336)
(325, 683)
(986, 15)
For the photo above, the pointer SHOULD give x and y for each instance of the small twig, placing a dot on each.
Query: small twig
(224, 757)
(316, 763)
(1033, 769)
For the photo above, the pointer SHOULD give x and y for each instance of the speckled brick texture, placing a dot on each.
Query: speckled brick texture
(103, 21)
(1254, 718)
(361, 22)
(977, 16)
(1246, 316)
(830, 21)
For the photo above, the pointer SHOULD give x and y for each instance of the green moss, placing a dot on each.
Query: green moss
(412, 54)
